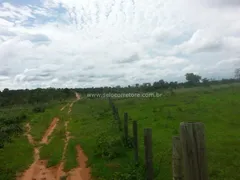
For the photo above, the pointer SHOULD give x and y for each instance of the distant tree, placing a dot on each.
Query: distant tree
(173, 85)
(193, 79)
(237, 73)
(161, 82)
(205, 82)
(5, 90)
(146, 84)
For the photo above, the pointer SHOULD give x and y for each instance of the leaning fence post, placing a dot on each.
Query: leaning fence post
(126, 126)
(177, 168)
(148, 153)
(193, 151)
(113, 108)
(135, 141)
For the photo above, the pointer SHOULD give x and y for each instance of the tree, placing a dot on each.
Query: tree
(205, 82)
(193, 79)
(237, 73)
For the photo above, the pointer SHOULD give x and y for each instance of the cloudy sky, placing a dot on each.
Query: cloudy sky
(83, 43)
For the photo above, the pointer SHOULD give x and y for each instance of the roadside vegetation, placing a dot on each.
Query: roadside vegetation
(18, 108)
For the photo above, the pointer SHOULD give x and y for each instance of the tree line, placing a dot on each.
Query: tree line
(192, 80)
(33, 97)
(38, 96)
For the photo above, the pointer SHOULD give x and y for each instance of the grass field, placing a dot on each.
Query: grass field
(217, 108)
(92, 126)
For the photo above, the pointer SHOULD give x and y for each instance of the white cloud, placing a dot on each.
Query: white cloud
(111, 42)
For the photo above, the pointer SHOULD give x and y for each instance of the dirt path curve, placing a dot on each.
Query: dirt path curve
(49, 130)
(38, 170)
(29, 136)
(64, 106)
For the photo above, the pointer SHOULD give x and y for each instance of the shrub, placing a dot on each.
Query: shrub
(132, 172)
(128, 143)
(109, 147)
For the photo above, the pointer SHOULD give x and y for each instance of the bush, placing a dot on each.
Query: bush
(9, 126)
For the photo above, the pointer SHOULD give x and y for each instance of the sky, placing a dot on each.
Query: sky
(73, 43)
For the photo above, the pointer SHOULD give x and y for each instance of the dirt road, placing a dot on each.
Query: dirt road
(39, 171)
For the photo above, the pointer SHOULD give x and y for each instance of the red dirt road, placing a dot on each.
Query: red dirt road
(39, 171)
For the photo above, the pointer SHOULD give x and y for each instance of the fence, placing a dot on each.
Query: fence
(189, 160)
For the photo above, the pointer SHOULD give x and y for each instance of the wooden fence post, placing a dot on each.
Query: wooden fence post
(148, 153)
(177, 168)
(126, 126)
(114, 112)
(193, 151)
(118, 119)
(135, 141)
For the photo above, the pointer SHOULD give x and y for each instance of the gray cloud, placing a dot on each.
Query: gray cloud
(130, 59)
(45, 75)
(36, 38)
(5, 32)
(4, 72)
(84, 79)
(225, 2)
(37, 78)
(88, 67)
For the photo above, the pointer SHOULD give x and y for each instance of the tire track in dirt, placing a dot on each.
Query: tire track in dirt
(82, 172)
(67, 138)
(67, 133)
(49, 131)
(78, 97)
(39, 171)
